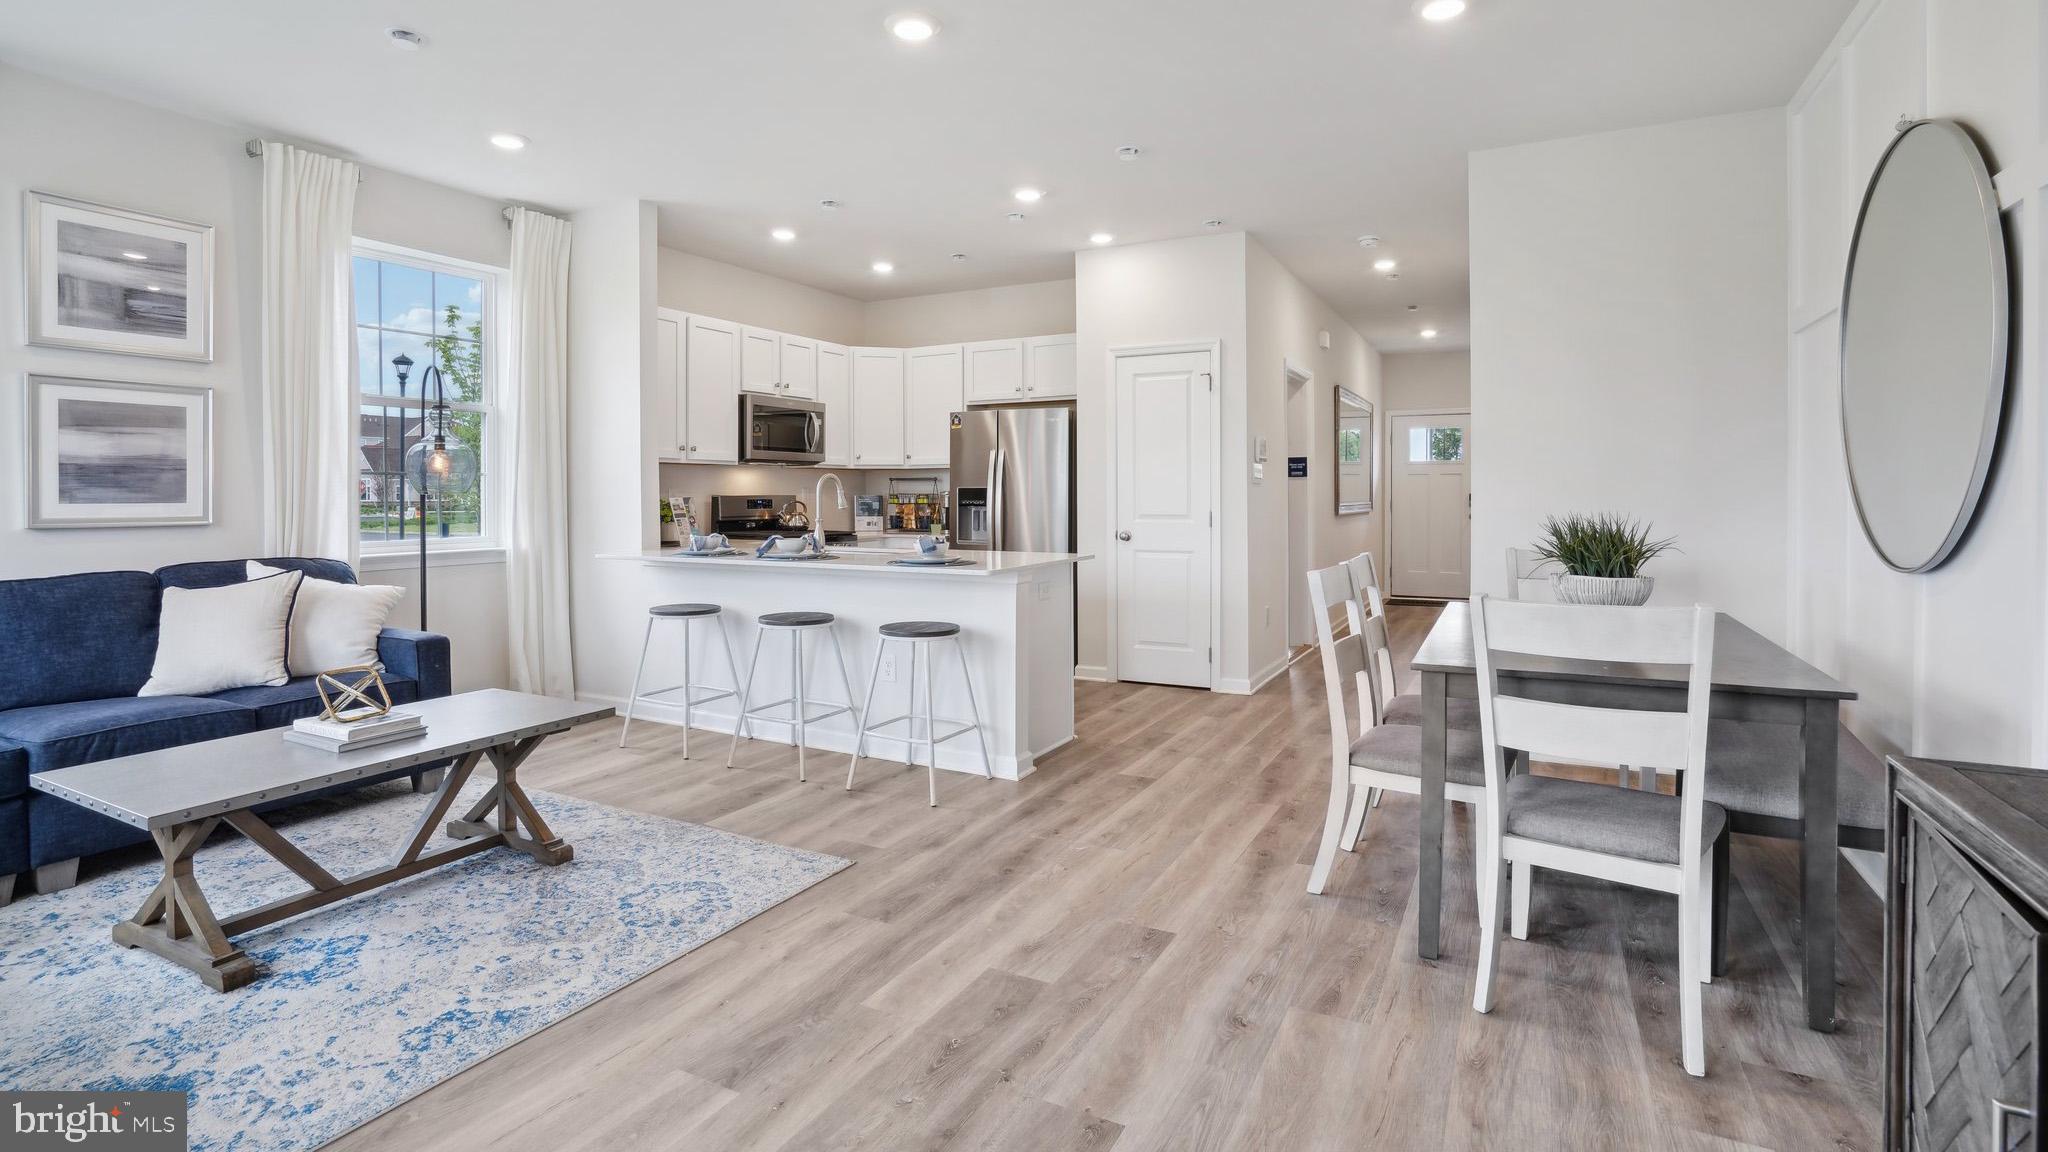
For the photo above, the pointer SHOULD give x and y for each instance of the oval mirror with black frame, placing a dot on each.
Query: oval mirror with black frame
(1925, 331)
(1353, 456)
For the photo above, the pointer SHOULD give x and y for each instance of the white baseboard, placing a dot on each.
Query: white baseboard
(1233, 686)
(1097, 673)
(1269, 673)
(831, 735)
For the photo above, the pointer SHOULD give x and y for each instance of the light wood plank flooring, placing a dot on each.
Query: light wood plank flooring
(1119, 953)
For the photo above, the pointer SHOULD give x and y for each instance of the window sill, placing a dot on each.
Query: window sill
(436, 558)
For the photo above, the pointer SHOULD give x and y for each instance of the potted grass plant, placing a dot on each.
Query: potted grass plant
(1602, 557)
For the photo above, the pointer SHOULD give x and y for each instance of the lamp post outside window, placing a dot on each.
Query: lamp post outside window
(434, 466)
(403, 363)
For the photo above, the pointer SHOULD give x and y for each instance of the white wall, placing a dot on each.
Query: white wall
(1007, 312)
(1628, 350)
(108, 150)
(1426, 380)
(1947, 664)
(1283, 323)
(698, 284)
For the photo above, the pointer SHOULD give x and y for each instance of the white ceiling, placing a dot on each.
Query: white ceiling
(1304, 122)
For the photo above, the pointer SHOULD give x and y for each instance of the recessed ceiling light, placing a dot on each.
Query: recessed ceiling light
(1368, 241)
(509, 141)
(913, 27)
(1383, 264)
(1213, 222)
(1414, 307)
(404, 39)
(133, 256)
(828, 205)
(1438, 11)
(1101, 238)
(783, 234)
(1429, 333)
(1029, 195)
(1129, 152)
(882, 267)
(958, 257)
(1015, 217)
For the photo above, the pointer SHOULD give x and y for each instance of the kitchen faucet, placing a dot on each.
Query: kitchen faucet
(818, 505)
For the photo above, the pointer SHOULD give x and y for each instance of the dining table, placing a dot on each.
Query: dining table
(1755, 680)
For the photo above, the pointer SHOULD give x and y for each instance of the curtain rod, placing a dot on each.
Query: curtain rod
(254, 148)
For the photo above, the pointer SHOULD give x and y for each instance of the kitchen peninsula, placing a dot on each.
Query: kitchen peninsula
(1015, 611)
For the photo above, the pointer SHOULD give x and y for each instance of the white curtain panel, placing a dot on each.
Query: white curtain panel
(537, 552)
(309, 448)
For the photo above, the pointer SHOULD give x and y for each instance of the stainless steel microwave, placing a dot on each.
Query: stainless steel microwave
(781, 430)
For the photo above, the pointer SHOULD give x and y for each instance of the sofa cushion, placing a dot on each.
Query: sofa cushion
(60, 735)
(13, 769)
(78, 637)
(215, 573)
(278, 706)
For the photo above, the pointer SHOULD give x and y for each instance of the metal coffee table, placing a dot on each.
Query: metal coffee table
(180, 795)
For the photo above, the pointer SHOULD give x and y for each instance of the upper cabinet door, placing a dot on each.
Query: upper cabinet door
(671, 423)
(1049, 368)
(835, 384)
(760, 361)
(711, 375)
(995, 371)
(877, 408)
(799, 367)
(933, 392)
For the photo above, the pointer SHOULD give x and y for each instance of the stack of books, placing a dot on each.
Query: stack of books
(335, 736)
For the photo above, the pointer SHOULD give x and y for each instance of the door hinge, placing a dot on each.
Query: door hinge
(1211, 378)
(1212, 655)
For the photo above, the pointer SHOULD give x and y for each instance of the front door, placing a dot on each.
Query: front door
(1429, 459)
(1164, 535)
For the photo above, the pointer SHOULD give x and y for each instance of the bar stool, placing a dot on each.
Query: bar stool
(688, 614)
(920, 635)
(796, 624)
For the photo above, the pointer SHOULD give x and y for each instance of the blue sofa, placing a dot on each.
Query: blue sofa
(73, 652)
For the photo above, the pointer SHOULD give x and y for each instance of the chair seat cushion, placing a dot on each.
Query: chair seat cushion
(795, 619)
(1397, 749)
(685, 610)
(60, 735)
(1603, 818)
(1754, 768)
(280, 704)
(1460, 714)
(920, 629)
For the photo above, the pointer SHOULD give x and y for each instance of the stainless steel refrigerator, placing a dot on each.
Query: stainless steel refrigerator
(1012, 474)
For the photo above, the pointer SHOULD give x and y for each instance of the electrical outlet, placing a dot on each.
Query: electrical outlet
(888, 670)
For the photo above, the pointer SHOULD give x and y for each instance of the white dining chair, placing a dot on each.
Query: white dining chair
(1523, 581)
(1375, 756)
(1367, 600)
(1644, 839)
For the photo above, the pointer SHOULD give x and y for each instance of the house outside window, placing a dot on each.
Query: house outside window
(412, 310)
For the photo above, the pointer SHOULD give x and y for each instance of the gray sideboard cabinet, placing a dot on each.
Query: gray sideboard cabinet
(1967, 872)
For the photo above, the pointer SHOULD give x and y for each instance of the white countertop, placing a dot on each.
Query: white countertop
(863, 562)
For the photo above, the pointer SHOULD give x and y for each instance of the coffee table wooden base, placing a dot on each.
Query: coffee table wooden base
(176, 922)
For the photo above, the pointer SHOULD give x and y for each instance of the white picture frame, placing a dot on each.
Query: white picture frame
(117, 453)
(114, 280)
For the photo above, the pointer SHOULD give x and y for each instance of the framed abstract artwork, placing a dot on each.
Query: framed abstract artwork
(111, 280)
(116, 454)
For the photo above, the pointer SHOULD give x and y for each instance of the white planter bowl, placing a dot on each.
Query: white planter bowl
(1629, 590)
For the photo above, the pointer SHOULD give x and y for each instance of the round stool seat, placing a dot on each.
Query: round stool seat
(795, 619)
(684, 610)
(920, 630)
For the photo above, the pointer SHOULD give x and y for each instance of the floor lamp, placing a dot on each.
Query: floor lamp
(434, 466)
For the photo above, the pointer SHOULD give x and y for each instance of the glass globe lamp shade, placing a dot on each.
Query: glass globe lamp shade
(446, 469)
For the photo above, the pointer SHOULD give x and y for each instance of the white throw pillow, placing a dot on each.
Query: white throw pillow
(335, 625)
(212, 639)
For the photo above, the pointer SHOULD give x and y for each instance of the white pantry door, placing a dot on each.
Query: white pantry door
(1430, 460)
(1164, 535)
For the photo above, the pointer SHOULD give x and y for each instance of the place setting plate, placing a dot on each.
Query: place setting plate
(932, 561)
(706, 552)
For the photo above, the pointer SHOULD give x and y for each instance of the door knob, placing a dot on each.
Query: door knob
(1124, 536)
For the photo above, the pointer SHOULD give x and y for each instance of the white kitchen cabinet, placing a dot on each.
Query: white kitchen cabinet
(1049, 368)
(994, 371)
(878, 440)
(711, 390)
(670, 430)
(932, 393)
(835, 392)
(760, 360)
(799, 374)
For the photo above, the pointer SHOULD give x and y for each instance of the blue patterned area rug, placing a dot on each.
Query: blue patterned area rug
(369, 1002)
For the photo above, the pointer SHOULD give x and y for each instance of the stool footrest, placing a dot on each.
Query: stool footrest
(961, 728)
(754, 711)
